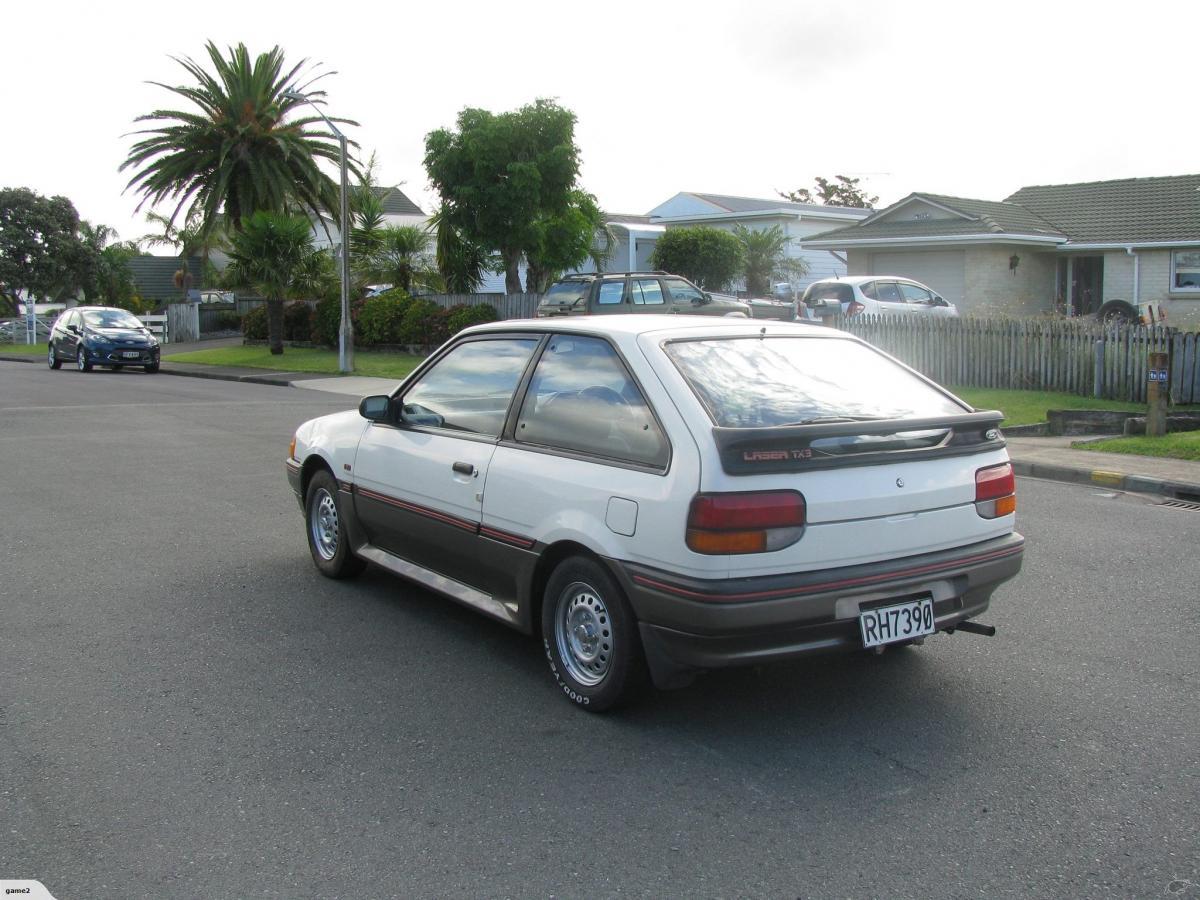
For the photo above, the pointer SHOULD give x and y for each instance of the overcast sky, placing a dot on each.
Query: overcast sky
(743, 98)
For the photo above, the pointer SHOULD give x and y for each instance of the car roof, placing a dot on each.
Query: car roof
(863, 279)
(634, 325)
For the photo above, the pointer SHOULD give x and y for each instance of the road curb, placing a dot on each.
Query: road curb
(1138, 484)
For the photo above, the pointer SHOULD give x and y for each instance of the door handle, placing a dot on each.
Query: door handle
(465, 468)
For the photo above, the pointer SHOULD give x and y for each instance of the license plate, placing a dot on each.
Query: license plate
(130, 354)
(898, 622)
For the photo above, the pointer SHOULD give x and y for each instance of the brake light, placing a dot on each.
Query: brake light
(855, 308)
(995, 491)
(754, 522)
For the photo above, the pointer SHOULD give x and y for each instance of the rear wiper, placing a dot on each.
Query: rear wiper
(829, 420)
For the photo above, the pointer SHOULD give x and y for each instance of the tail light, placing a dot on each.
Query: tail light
(855, 308)
(995, 491)
(756, 522)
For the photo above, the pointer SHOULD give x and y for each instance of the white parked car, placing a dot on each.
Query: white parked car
(872, 294)
(656, 495)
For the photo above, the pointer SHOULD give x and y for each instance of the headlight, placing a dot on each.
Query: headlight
(94, 340)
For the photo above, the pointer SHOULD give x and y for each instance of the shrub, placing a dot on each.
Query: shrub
(379, 319)
(463, 316)
(297, 322)
(254, 323)
(326, 320)
(422, 323)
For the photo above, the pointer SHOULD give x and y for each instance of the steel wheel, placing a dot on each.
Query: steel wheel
(583, 633)
(324, 524)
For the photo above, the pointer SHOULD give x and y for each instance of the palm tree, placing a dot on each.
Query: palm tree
(402, 256)
(765, 253)
(241, 147)
(460, 263)
(270, 253)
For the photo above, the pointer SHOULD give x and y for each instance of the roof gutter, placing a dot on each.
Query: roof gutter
(989, 238)
(1142, 245)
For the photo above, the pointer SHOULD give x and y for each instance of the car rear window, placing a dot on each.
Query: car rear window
(843, 293)
(765, 382)
(568, 292)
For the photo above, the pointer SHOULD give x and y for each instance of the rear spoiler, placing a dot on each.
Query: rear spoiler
(757, 451)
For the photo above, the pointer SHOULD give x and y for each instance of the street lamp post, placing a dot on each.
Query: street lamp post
(345, 332)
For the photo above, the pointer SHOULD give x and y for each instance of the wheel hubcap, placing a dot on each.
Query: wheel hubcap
(325, 524)
(583, 632)
(80, 359)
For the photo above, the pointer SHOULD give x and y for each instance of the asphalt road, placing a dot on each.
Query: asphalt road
(187, 709)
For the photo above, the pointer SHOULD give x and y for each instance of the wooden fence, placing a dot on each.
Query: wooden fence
(1088, 358)
(183, 322)
(507, 306)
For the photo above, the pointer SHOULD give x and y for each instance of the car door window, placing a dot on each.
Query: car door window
(868, 291)
(646, 292)
(682, 292)
(611, 292)
(581, 398)
(914, 295)
(888, 292)
(470, 388)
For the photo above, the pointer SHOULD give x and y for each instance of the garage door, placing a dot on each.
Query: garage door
(941, 270)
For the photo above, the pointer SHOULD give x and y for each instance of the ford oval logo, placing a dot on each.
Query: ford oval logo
(991, 434)
(899, 482)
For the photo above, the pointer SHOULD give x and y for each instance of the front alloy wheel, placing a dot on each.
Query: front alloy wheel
(52, 359)
(82, 363)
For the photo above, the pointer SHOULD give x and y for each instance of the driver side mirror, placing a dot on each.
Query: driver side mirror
(707, 299)
(939, 301)
(74, 329)
(376, 408)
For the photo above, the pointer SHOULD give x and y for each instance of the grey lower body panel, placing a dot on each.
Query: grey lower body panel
(690, 624)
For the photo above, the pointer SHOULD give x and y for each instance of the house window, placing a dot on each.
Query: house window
(1185, 270)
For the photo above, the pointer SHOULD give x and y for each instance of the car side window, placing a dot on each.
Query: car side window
(582, 399)
(470, 388)
(915, 295)
(646, 292)
(611, 292)
(868, 291)
(888, 292)
(683, 292)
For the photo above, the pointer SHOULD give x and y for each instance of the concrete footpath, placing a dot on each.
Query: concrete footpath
(1039, 457)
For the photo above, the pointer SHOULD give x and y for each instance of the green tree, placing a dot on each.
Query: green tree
(461, 263)
(842, 191)
(708, 256)
(41, 251)
(241, 146)
(764, 254)
(502, 177)
(563, 241)
(270, 253)
(402, 258)
(108, 278)
(366, 214)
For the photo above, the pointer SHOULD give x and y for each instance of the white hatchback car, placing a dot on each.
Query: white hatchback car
(871, 294)
(657, 495)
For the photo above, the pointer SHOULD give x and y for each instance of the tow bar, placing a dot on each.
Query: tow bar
(973, 628)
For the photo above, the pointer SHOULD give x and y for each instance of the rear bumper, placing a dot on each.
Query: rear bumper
(688, 624)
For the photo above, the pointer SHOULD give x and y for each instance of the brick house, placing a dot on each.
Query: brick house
(1104, 246)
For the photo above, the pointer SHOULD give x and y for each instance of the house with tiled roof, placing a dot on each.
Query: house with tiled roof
(798, 221)
(1103, 247)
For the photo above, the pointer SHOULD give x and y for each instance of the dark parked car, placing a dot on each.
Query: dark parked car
(647, 292)
(101, 336)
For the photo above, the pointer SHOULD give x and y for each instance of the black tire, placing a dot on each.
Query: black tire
(82, 363)
(151, 369)
(598, 663)
(52, 359)
(326, 529)
(1118, 312)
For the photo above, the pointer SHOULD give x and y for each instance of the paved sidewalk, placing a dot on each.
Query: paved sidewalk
(1039, 457)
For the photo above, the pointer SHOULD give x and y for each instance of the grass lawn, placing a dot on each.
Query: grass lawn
(24, 349)
(1181, 445)
(1029, 407)
(302, 359)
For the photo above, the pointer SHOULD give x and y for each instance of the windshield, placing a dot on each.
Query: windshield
(110, 318)
(566, 292)
(764, 382)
